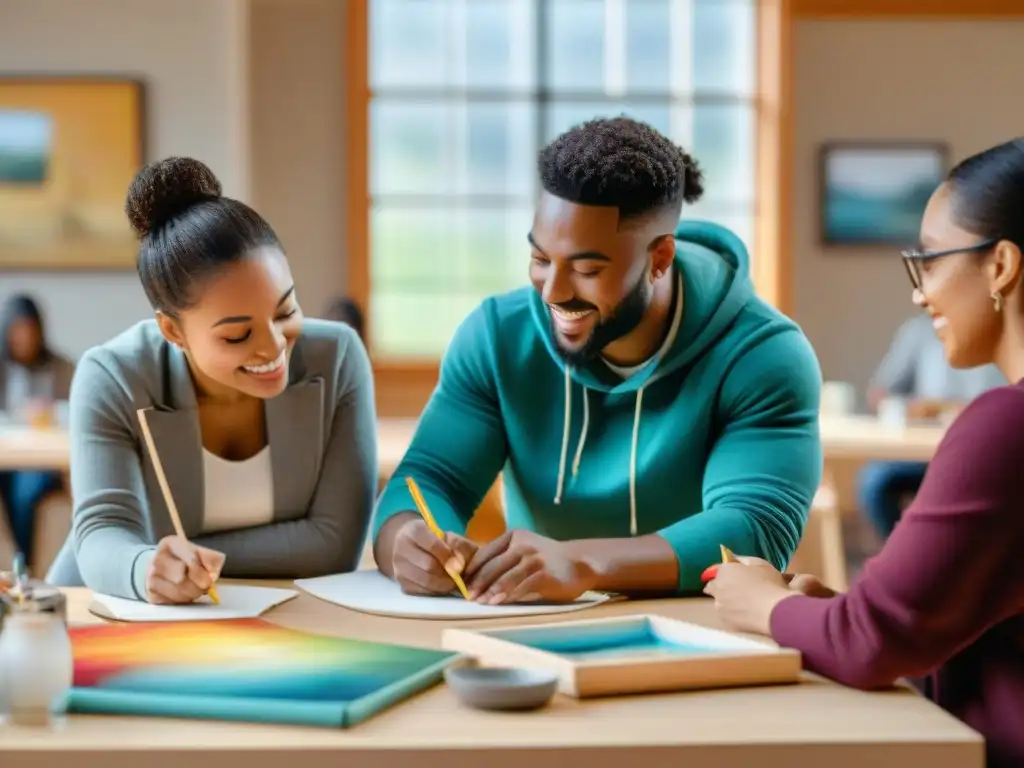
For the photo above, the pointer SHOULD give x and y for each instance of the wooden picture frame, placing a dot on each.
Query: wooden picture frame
(69, 149)
(630, 655)
(875, 192)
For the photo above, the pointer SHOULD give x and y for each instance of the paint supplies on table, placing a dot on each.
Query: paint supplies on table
(630, 655)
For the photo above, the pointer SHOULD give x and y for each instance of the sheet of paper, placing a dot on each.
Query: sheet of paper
(372, 592)
(236, 602)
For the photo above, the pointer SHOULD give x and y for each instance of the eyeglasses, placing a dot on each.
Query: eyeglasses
(913, 258)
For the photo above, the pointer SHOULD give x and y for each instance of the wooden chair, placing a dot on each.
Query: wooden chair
(52, 526)
(821, 551)
(7, 545)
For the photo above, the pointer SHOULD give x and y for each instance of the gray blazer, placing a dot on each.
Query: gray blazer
(323, 436)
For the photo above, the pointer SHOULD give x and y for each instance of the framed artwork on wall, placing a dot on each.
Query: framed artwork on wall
(875, 192)
(69, 148)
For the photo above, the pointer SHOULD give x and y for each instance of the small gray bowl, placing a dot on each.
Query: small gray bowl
(502, 688)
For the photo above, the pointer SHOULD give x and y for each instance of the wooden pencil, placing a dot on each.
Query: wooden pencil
(165, 489)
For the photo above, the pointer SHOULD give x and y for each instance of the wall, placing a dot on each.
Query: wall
(254, 89)
(191, 54)
(950, 80)
(298, 137)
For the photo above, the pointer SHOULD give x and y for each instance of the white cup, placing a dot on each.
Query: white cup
(892, 412)
(838, 398)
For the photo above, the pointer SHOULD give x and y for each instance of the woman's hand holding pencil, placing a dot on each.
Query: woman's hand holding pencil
(179, 568)
(181, 572)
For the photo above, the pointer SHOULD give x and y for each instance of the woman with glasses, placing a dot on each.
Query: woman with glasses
(945, 597)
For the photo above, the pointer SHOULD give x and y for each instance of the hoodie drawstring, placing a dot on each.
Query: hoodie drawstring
(632, 461)
(567, 425)
(565, 435)
(583, 433)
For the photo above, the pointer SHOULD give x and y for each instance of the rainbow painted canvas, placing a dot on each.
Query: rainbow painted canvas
(245, 670)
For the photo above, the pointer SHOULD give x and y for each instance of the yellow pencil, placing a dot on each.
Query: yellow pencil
(727, 555)
(421, 505)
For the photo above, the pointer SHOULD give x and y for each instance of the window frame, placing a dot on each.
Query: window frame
(403, 386)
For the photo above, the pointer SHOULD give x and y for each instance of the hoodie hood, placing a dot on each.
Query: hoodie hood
(713, 273)
(713, 268)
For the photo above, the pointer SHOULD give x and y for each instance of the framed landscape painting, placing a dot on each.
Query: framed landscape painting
(69, 148)
(874, 193)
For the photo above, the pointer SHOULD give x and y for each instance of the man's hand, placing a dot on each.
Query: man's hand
(181, 572)
(419, 559)
(520, 566)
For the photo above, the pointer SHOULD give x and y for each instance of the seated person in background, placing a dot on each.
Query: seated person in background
(645, 405)
(345, 310)
(29, 369)
(945, 597)
(264, 421)
(915, 369)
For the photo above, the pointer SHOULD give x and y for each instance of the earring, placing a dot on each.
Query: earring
(997, 300)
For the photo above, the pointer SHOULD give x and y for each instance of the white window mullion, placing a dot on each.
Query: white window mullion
(523, 80)
(614, 48)
(681, 75)
(458, 142)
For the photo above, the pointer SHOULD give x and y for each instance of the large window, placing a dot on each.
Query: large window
(463, 93)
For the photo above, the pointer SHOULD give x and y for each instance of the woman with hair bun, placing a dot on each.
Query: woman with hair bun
(263, 420)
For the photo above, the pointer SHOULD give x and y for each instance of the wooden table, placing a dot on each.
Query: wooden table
(25, 448)
(865, 438)
(809, 725)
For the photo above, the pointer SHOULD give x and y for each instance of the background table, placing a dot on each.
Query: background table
(25, 448)
(865, 438)
(843, 437)
(810, 725)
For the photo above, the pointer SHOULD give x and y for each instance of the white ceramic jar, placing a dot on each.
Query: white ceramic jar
(36, 666)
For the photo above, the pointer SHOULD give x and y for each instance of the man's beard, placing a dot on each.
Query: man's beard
(626, 316)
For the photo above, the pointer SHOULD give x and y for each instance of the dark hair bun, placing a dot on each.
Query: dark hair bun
(165, 189)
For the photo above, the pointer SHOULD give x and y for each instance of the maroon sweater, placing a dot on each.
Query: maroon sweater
(945, 596)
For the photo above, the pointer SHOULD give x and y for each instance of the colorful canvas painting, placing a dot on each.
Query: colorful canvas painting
(69, 148)
(245, 670)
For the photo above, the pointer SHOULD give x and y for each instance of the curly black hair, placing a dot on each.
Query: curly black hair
(622, 163)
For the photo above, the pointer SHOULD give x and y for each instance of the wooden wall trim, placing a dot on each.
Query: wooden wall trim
(865, 9)
(772, 257)
(401, 390)
(356, 72)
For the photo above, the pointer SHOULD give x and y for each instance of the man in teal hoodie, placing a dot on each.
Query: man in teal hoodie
(643, 405)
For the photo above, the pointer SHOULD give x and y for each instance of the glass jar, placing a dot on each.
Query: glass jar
(36, 660)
